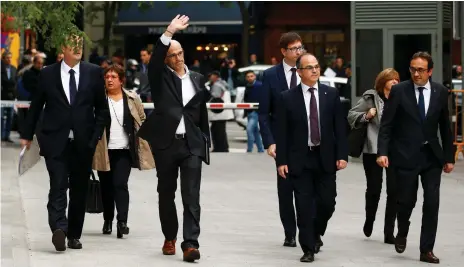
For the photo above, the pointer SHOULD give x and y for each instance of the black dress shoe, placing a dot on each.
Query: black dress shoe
(74, 244)
(368, 226)
(59, 240)
(107, 227)
(400, 244)
(290, 242)
(307, 257)
(429, 257)
(318, 245)
(389, 239)
(122, 229)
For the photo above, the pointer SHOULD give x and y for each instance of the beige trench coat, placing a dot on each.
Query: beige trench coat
(101, 160)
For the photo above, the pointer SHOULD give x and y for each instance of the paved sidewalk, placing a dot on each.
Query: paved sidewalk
(240, 222)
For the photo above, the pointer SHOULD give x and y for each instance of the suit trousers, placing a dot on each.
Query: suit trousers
(429, 169)
(286, 206)
(168, 163)
(314, 183)
(114, 187)
(69, 170)
(374, 181)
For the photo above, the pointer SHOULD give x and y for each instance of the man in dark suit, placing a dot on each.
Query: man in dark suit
(8, 73)
(275, 80)
(178, 131)
(73, 93)
(408, 140)
(311, 147)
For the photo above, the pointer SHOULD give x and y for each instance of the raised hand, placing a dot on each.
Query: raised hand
(180, 22)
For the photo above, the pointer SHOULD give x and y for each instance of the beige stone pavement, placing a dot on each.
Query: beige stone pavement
(240, 225)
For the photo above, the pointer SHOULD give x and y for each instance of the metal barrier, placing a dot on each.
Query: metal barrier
(26, 104)
(458, 120)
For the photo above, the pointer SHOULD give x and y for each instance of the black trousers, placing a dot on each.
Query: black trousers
(313, 184)
(219, 136)
(168, 163)
(286, 207)
(114, 188)
(374, 181)
(69, 170)
(429, 171)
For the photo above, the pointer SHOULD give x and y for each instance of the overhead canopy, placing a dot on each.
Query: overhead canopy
(205, 17)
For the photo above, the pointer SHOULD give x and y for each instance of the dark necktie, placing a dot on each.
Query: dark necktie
(72, 87)
(314, 119)
(421, 103)
(293, 79)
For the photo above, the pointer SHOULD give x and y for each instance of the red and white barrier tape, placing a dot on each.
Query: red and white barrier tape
(26, 104)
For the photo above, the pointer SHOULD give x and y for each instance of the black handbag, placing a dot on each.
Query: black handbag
(356, 139)
(94, 198)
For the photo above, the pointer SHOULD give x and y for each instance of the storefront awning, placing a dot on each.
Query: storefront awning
(205, 17)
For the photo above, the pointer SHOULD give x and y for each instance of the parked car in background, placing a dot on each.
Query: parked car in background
(258, 70)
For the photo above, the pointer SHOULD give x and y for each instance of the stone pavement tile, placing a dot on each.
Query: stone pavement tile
(15, 250)
(240, 224)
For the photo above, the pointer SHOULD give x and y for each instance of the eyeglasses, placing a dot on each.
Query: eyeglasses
(180, 54)
(419, 70)
(310, 68)
(293, 49)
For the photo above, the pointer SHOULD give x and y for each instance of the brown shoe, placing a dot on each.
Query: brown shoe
(169, 247)
(191, 254)
(429, 257)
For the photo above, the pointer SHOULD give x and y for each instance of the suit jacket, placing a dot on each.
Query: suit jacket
(8, 85)
(86, 117)
(402, 132)
(293, 132)
(166, 91)
(274, 82)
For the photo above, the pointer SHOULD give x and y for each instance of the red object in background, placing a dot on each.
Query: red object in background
(8, 23)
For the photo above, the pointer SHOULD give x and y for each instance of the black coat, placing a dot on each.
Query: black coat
(166, 90)
(402, 132)
(86, 117)
(293, 132)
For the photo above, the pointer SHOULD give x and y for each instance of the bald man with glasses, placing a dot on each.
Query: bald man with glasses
(311, 147)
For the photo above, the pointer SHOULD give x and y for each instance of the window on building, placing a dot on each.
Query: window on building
(325, 45)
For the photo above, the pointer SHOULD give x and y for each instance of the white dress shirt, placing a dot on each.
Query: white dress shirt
(188, 90)
(307, 99)
(427, 93)
(65, 77)
(118, 137)
(288, 74)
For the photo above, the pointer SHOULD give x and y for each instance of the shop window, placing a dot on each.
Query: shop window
(325, 45)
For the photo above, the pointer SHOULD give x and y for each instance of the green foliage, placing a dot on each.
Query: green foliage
(54, 20)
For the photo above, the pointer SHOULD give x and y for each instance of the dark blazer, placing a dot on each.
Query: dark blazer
(166, 90)
(8, 91)
(402, 132)
(86, 117)
(274, 82)
(292, 133)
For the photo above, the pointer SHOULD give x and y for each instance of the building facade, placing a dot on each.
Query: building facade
(214, 32)
(387, 34)
(323, 26)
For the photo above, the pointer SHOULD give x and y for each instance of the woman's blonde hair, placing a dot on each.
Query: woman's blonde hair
(383, 77)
